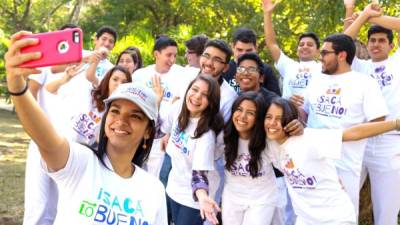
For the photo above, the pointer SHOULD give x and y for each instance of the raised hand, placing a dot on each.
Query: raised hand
(13, 58)
(157, 88)
(349, 3)
(373, 10)
(269, 5)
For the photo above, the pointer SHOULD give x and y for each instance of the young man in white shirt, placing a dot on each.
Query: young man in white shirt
(382, 157)
(296, 75)
(173, 81)
(340, 98)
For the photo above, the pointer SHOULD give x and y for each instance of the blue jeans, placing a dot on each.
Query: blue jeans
(183, 215)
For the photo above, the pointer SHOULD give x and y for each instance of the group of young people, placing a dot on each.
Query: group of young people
(216, 132)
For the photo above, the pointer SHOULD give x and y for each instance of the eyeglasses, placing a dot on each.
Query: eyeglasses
(326, 52)
(213, 59)
(188, 52)
(250, 70)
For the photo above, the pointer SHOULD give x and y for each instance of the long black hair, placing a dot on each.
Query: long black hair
(141, 155)
(210, 118)
(257, 141)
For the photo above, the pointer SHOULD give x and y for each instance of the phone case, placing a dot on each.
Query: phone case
(58, 47)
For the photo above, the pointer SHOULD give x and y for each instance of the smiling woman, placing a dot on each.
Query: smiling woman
(95, 185)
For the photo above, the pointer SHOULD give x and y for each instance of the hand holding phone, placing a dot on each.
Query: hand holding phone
(59, 47)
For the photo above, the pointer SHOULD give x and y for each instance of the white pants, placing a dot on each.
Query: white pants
(299, 221)
(237, 214)
(382, 164)
(284, 214)
(351, 183)
(41, 193)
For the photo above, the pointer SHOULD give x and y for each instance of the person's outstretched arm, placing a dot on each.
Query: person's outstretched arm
(270, 36)
(349, 6)
(370, 129)
(53, 148)
(388, 22)
(369, 11)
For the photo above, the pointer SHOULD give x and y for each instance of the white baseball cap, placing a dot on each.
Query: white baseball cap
(139, 94)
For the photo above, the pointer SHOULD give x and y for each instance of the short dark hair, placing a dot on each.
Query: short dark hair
(245, 35)
(289, 110)
(163, 42)
(197, 43)
(106, 29)
(68, 26)
(254, 57)
(312, 35)
(221, 45)
(343, 42)
(379, 29)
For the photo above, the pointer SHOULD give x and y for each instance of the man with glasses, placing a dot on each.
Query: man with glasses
(214, 61)
(341, 98)
(249, 73)
(296, 75)
(245, 41)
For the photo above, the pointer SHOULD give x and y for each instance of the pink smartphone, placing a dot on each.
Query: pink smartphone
(58, 47)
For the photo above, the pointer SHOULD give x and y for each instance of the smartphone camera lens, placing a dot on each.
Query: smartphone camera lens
(76, 37)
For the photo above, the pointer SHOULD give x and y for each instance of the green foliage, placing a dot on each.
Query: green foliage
(138, 22)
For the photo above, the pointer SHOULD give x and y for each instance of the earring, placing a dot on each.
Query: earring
(144, 146)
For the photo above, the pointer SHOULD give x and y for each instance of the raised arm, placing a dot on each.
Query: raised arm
(370, 129)
(349, 6)
(53, 148)
(388, 22)
(70, 72)
(369, 11)
(270, 36)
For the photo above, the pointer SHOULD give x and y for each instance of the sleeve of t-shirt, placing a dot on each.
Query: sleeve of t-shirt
(323, 143)
(270, 81)
(360, 65)
(78, 159)
(203, 158)
(41, 77)
(272, 153)
(396, 55)
(374, 104)
(166, 125)
(283, 63)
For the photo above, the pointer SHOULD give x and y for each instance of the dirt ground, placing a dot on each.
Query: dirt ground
(13, 145)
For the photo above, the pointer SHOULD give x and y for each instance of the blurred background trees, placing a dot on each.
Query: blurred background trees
(139, 21)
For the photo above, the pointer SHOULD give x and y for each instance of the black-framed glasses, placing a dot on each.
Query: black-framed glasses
(188, 52)
(326, 52)
(250, 70)
(213, 58)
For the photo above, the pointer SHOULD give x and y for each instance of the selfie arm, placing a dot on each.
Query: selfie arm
(53, 148)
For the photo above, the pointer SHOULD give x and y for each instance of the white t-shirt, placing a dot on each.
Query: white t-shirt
(241, 188)
(228, 96)
(387, 74)
(307, 162)
(89, 193)
(86, 125)
(341, 101)
(187, 154)
(296, 75)
(76, 94)
(173, 81)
